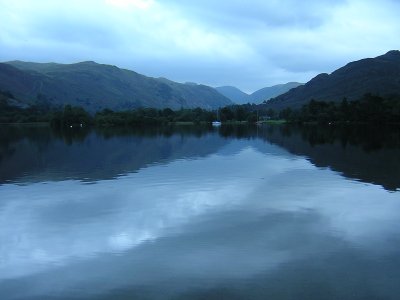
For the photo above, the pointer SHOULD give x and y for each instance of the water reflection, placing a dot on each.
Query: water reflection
(238, 213)
(368, 154)
(39, 154)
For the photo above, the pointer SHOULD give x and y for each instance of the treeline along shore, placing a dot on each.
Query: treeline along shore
(370, 108)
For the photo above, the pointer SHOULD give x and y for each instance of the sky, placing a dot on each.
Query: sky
(248, 44)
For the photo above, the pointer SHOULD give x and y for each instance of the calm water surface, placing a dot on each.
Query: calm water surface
(200, 213)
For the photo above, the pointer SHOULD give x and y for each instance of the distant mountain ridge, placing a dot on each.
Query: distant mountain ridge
(273, 91)
(234, 94)
(264, 94)
(379, 76)
(97, 86)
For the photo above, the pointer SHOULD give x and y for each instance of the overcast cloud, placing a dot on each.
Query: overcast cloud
(248, 44)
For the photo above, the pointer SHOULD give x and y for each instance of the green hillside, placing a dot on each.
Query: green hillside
(96, 86)
(377, 76)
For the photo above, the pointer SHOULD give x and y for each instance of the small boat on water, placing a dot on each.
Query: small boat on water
(216, 123)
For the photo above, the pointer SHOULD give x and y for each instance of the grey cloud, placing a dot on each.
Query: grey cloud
(271, 13)
(67, 29)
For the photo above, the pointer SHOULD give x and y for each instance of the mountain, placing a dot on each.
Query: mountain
(257, 97)
(379, 75)
(234, 94)
(97, 86)
(272, 91)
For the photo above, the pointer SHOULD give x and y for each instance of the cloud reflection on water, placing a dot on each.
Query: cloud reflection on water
(216, 218)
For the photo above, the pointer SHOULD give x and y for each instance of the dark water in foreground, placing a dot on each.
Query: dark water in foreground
(200, 213)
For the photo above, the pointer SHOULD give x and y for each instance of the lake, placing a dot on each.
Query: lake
(269, 212)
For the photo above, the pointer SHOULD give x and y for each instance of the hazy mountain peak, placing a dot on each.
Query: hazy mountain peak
(234, 94)
(267, 93)
(240, 97)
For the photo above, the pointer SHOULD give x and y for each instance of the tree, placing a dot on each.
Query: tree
(286, 114)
